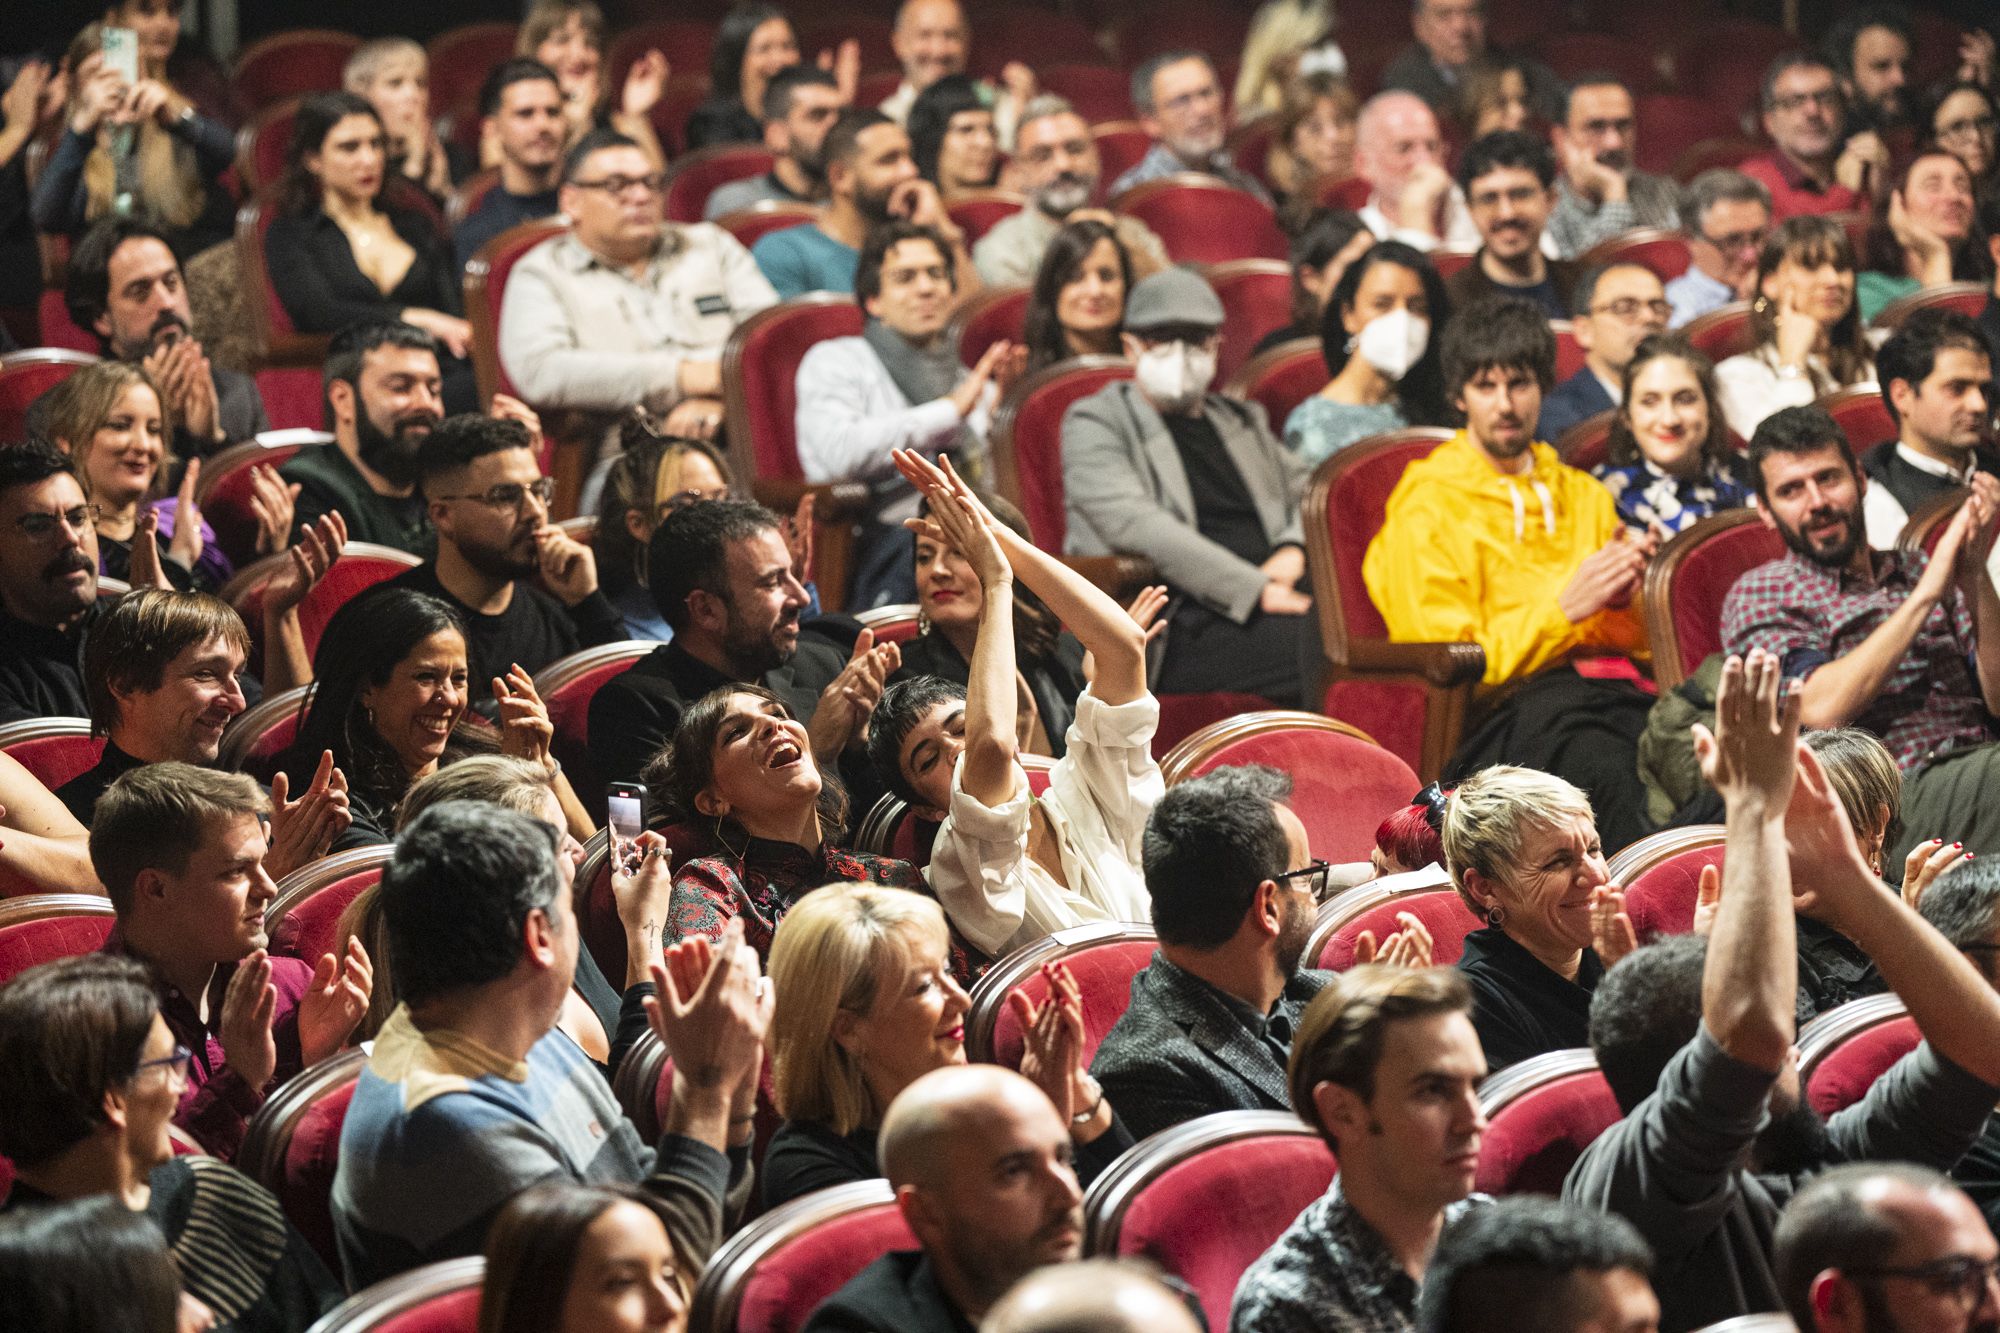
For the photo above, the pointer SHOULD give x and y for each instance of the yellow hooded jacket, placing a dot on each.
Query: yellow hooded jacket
(1469, 553)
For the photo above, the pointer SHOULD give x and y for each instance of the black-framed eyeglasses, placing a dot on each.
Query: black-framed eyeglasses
(1958, 1275)
(176, 1063)
(42, 526)
(1314, 877)
(617, 185)
(1631, 307)
(510, 494)
(1432, 799)
(1735, 240)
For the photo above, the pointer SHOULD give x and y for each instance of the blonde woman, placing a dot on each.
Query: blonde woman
(1284, 36)
(394, 75)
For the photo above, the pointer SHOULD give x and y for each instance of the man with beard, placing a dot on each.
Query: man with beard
(1386, 1068)
(1508, 178)
(1234, 888)
(522, 109)
(1600, 192)
(1491, 539)
(1904, 645)
(1399, 151)
(1808, 170)
(1870, 50)
(870, 179)
(1936, 373)
(1696, 1035)
(1059, 171)
(800, 105)
(981, 1165)
(48, 584)
(1179, 101)
(1880, 1247)
(489, 504)
(383, 394)
(125, 285)
(722, 577)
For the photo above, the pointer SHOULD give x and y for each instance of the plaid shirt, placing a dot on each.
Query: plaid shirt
(1809, 615)
(1330, 1270)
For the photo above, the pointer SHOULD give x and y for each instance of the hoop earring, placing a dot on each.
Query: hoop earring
(723, 843)
(1493, 917)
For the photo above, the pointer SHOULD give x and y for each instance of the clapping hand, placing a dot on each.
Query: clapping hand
(1408, 947)
(185, 547)
(303, 830)
(711, 1011)
(525, 729)
(1753, 753)
(318, 546)
(1052, 1058)
(248, 1004)
(1611, 933)
(336, 1002)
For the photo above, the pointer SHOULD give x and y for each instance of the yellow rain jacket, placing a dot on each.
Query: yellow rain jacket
(1469, 553)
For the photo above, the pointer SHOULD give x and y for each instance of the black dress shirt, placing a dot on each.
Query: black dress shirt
(532, 632)
(41, 670)
(1520, 1006)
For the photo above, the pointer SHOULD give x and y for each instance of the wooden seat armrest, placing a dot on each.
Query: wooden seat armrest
(1442, 664)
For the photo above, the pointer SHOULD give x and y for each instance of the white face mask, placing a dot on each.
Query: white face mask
(1394, 342)
(1175, 375)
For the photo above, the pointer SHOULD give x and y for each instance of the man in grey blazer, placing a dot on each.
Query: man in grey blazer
(1195, 482)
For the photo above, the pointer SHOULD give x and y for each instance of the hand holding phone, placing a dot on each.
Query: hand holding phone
(626, 803)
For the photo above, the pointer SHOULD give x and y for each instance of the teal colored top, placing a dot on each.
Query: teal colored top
(805, 259)
(1320, 427)
(1874, 290)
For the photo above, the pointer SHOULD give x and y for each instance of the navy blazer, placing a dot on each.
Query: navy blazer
(1580, 396)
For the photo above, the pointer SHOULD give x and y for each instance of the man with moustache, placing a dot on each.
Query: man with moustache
(1870, 49)
(521, 107)
(1508, 178)
(1600, 193)
(48, 584)
(981, 1166)
(800, 105)
(1905, 646)
(125, 285)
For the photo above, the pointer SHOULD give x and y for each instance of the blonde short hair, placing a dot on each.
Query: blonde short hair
(1491, 814)
(1864, 776)
(371, 59)
(829, 957)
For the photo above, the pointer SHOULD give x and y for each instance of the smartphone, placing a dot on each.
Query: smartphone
(121, 52)
(627, 803)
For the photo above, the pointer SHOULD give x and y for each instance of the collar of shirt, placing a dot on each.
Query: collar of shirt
(1363, 1254)
(1884, 566)
(1936, 467)
(580, 258)
(1796, 176)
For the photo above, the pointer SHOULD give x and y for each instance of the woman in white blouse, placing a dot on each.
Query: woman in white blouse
(1009, 866)
(1807, 326)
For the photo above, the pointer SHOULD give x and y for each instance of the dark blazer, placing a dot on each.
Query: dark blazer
(898, 1293)
(1577, 398)
(1181, 1050)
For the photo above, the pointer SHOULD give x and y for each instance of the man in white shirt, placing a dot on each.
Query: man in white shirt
(897, 386)
(932, 39)
(1728, 215)
(1936, 375)
(1399, 151)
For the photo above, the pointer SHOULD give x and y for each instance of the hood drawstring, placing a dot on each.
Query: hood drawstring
(1521, 509)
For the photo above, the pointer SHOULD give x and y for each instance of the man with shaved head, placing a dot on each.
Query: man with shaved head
(981, 1165)
(1399, 151)
(1091, 1296)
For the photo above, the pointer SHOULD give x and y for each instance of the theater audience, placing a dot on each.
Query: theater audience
(624, 307)
(1936, 373)
(1399, 151)
(1552, 1266)
(1808, 329)
(1093, 1296)
(1314, 138)
(1668, 459)
(125, 284)
(1923, 235)
(568, 37)
(1600, 192)
(88, 1265)
(753, 43)
(932, 40)
(383, 396)
(1964, 120)
(1450, 41)
(652, 477)
(1907, 646)
(1491, 539)
(1234, 889)
(394, 75)
(1612, 308)
(485, 940)
(1077, 306)
(800, 105)
(48, 584)
(521, 113)
(1696, 1036)
(135, 147)
(1011, 867)
(1386, 1068)
(1379, 335)
(1808, 171)
(180, 850)
(1727, 216)
(982, 1169)
(1179, 101)
(1161, 467)
(90, 1073)
(899, 385)
(1057, 166)
(1508, 181)
(1323, 243)
(952, 137)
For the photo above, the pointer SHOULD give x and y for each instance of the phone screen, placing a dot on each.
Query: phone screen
(627, 822)
(121, 52)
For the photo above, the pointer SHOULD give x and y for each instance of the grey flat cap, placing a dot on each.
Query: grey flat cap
(1173, 296)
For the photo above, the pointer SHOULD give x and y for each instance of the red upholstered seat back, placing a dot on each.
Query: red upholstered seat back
(1182, 715)
(1028, 455)
(697, 175)
(354, 573)
(751, 225)
(292, 397)
(1202, 221)
(226, 487)
(1671, 123)
(1843, 1076)
(286, 64)
(1569, 353)
(1863, 417)
(1343, 787)
(1703, 580)
(57, 328)
(278, 319)
(1587, 444)
(1534, 1139)
(28, 943)
(990, 316)
(262, 143)
(1099, 92)
(1661, 900)
(54, 760)
(1356, 505)
(764, 356)
(26, 376)
(1282, 378)
(1572, 53)
(1256, 298)
(305, 1184)
(975, 214)
(1103, 974)
(1665, 253)
(1723, 332)
(262, 757)
(460, 58)
(1442, 911)
(790, 1282)
(308, 930)
(453, 1312)
(1120, 145)
(1207, 1218)
(569, 709)
(489, 271)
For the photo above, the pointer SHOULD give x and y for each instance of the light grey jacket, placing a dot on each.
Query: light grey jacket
(1127, 493)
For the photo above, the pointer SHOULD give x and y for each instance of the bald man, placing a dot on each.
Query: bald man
(1091, 1296)
(981, 1166)
(1880, 1247)
(932, 39)
(1399, 151)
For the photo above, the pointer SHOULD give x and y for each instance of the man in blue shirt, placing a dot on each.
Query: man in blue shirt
(522, 106)
(1727, 215)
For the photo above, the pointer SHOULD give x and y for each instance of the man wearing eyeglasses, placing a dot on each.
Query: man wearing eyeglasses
(1601, 193)
(48, 584)
(1809, 170)
(1615, 307)
(1728, 216)
(1508, 178)
(627, 308)
(489, 503)
(1179, 101)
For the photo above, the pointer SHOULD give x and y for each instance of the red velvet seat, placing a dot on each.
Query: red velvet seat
(1687, 582)
(1861, 415)
(26, 376)
(695, 176)
(461, 57)
(1202, 221)
(1185, 25)
(438, 1298)
(360, 566)
(41, 927)
(1281, 378)
(1120, 145)
(1968, 298)
(1845, 1051)
(1662, 251)
(292, 1146)
(1104, 956)
(897, 623)
(1586, 445)
(288, 64)
(773, 1273)
(1027, 439)
(976, 211)
(1569, 353)
(469, 195)
(1922, 529)
(1349, 193)
(57, 328)
(567, 686)
(1668, 124)
(987, 316)
(1256, 298)
(751, 225)
(1572, 53)
(1343, 784)
(1343, 917)
(1099, 92)
(1723, 332)
(677, 104)
(1411, 697)
(1730, 151)
(1661, 876)
(54, 749)
(485, 288)
(1030, 32)
(685, 42)
(278, 342)
(302, 919)
(1249, 145)
(258, 737)
(225, 486)
(1723, 59)
(1541, 1114)
(1449, 262)
(262, 142)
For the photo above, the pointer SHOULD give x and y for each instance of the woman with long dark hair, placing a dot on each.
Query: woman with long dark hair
(753, 42)
(1077, 307)
(1380, 337)
(1807, 326)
